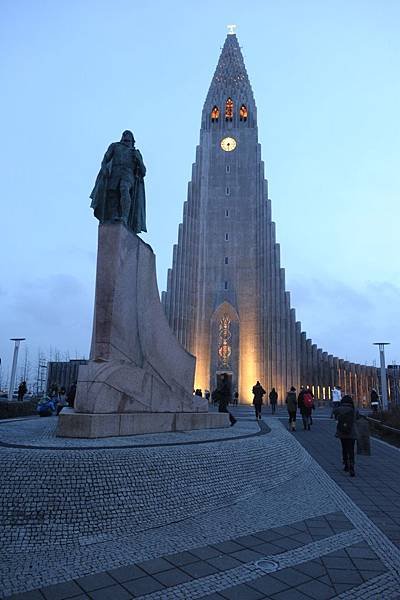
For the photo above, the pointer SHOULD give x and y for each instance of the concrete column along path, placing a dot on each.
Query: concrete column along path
(247, 513)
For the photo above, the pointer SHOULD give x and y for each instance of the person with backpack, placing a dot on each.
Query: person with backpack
(258, 392)
(346, 416)
(291, 402)
(306, 404)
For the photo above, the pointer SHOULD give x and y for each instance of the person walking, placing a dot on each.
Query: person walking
(306, 404)
(224, 397)
(71, 395)
(374, 400)
(22, 389)
(336, 398)
(291, 402)
(346, 431)
(273, 399)
(62, 401)
(258, 392)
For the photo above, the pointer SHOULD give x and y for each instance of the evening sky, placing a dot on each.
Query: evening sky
(75, 74)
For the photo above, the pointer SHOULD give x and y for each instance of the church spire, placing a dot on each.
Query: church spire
(230, 80)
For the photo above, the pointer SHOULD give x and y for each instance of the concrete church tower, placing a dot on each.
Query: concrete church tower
(226, 299)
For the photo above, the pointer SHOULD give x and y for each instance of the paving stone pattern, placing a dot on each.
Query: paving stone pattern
(40, 433)
(376, 487)
(244, 518)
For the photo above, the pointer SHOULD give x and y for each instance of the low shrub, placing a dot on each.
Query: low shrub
(10, 410)
(386, 425)
(391, 417)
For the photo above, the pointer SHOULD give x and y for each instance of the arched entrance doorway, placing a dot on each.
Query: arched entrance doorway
(224, 355)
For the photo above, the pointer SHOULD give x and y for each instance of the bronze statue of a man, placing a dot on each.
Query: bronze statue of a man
(118, 194)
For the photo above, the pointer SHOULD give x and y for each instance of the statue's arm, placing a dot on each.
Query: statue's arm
(141, 169)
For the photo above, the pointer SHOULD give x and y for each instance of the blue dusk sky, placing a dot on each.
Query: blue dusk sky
(325, 74)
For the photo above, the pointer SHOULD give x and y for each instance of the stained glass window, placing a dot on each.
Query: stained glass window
(229, 109)
(215, 114)
(224, 347)
(243, 113)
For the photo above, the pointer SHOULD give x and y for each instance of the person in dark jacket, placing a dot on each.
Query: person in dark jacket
(224, 398)
(258, 392)
(346, 431)
(71, 395)
(374, 400)
(273, 399)
(291, 402)
(22, 389)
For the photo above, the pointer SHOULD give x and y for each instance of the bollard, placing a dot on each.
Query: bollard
(363, 437)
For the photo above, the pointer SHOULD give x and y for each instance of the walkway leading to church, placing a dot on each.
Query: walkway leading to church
(246, 513)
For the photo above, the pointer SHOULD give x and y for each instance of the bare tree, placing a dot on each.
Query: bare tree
(41, 372)
(25, 371)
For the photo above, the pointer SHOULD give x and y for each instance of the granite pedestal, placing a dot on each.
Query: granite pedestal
(139, 379)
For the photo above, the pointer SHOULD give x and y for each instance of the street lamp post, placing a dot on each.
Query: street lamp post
(17, 342)
(384, 390)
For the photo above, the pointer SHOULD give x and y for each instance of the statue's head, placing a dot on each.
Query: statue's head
(128, 139)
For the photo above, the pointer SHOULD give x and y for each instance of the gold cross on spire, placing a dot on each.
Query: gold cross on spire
(231, 29)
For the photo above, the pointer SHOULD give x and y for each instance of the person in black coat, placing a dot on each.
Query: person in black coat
(258, 392)
(71, 395)
(374, 400)
(273, 399)
(291, 403)
(346, 431)
(224, 397)
(22, 389)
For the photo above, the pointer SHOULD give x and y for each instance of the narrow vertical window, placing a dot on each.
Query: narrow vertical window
(228, 168)
(215, 114)
(243, 113)
(226, 237)
(227, 191)
(229, 109)
(227, 213)
(226, 285)
(226, 260)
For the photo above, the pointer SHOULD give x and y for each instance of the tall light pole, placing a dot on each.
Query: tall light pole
(17, 342)
(384, 390)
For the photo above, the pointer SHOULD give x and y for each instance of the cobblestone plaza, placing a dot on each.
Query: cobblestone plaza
(248, 512)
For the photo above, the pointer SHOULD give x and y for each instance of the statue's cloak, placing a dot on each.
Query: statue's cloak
(101, 204)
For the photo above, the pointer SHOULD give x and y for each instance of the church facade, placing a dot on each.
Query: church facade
(226, 298)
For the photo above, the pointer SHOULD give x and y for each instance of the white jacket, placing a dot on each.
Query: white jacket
(336, 395)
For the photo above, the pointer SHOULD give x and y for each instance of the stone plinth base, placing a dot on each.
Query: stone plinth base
(98, 425)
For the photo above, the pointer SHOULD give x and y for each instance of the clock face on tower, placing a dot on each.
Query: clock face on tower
(228, 144)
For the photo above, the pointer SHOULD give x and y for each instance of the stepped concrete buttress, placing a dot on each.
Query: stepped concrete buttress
(139, 379)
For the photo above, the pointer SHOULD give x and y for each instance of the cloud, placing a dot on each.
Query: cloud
(54, 311)
(345, 320)
(48, 301)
